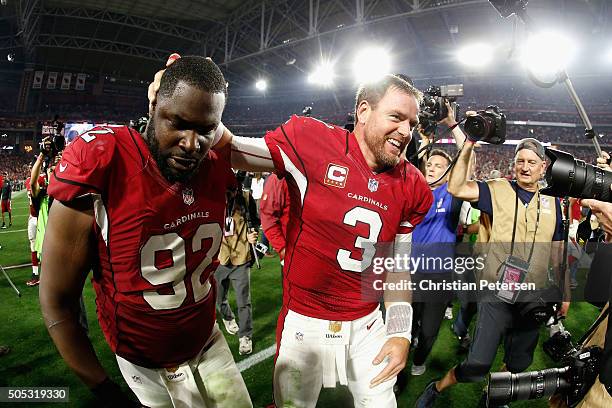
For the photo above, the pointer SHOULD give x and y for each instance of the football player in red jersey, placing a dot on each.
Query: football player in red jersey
(146, 214)
(348, 191)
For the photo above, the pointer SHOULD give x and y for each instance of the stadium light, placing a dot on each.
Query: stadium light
(261, 85)
(475, 55)
(548, 52)
(371, 63)
(323, 75)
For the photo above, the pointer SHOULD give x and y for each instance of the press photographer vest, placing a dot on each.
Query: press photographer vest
(499, 232)
(235, 248)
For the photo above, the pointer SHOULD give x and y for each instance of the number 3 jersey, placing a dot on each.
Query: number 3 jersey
(157, 243)
(339, 208)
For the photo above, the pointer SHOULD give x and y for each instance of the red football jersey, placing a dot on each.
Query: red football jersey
(338, 206)
(42, 183)
(157, 243)
(274, 211)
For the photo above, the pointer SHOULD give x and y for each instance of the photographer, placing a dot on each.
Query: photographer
(235, 257)
(435, 237)
(518, 219)
(598, 395)
(36, 186)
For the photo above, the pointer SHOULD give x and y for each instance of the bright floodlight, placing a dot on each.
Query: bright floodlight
(475, 55)
(548, 52)
(323, 75)
(261, 85)
(371, 63)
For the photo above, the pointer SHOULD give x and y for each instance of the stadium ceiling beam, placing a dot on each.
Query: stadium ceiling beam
(28, 22)
(248, 16)
(448, 27)
(92, 44)
(143, 23)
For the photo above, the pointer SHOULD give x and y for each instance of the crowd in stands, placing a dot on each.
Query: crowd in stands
(16, 167)
(254, 115)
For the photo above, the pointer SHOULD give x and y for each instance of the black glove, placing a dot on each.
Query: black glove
(109, 394)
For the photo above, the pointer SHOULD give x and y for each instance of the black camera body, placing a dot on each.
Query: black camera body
(487, 125)
(571, 381)
(57, 145)
(141, 123)
(433, 107)
(540, 305)
(568, 176)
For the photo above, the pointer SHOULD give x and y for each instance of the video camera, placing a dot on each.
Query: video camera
(433, 107)
(568, 176)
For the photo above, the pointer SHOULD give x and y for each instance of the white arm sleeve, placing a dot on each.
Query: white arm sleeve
(251, 154)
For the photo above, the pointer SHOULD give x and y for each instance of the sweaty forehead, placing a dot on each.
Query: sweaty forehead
(193, 104)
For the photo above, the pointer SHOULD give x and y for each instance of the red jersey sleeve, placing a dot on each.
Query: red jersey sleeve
(286, 146)
(85, 165)
(273, 213)
(419, 199)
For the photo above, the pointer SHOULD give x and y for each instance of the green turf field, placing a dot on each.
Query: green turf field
(33, 360)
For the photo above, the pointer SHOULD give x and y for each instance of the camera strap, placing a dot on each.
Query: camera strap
(516, 202)
(514, 270)
(594, 326)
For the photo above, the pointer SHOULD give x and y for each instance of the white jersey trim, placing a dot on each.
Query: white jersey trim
(101, 216)
(299, 178)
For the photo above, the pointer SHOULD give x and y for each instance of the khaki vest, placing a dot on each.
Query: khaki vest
(495, 238)
(236, 248)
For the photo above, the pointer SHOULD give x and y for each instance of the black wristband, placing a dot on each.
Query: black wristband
(110, 394)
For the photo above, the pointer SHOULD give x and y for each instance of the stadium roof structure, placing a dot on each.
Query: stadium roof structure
(281, 39)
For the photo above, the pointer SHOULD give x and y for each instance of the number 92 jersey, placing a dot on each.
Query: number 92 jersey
(339, 208)
(157, 243)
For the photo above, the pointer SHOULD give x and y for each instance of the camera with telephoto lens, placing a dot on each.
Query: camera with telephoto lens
(568, 176)
(56, 146)
(571, 382)
(487, 125)
(55, 142)
(433, 107)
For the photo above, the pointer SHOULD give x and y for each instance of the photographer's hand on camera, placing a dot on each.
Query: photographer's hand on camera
(603, 212)
(603, 162)
(45, 146)
(252, 236)
(564, 309)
